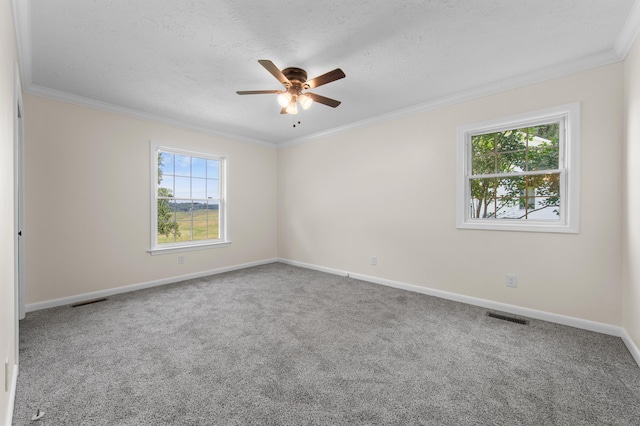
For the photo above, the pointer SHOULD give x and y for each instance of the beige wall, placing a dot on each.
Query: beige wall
(8, 59)
(389, 190)
(631, 308)
(88, 201)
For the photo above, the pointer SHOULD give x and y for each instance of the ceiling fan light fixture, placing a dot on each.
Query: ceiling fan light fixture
(292, 108)
(284, 99)
(305, 101)
(295, 81)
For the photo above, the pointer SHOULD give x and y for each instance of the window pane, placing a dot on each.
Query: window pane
(511, 187)
(512, 161)
(504, 208)
(525, 149)
(185, 183)
(198, 188)
(483, 144)
(543, 157)
(182, 187)
(538, 196)
(509, 140)
(501, 207)
(183, 219)
(482, 195)
(182, 165)
(213, 224)
(493, 198)
(213, 169)
(166, 163)
(520, 197)
(546, 189)
(198, 167)
(213, 189)
(166, 221)
(528, 199)
(199, 221)
(545, 208)
(482, 164)
(185, 231)
(165, 187)
(534, 158)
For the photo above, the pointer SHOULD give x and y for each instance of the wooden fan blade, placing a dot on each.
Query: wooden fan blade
(275, 71)
(323, 100)
(257, 92)
(334, 75)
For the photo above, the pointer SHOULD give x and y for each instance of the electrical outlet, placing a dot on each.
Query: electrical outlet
(512, 281)
(180, 260)
(374, 260)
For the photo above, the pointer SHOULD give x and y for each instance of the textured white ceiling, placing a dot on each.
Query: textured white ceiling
(184, 60)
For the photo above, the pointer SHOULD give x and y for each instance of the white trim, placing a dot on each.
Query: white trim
(129, 112)
(223, 175)
(498, 306)
(176, 249)
(633, 349)
(570, 163)
(140, 286)
(12, 395)
(18, 208)
(629, 33)
(544, 74)
(20, 203)
(484, 303)
(314, 267)
(537, 76)
(22, 23)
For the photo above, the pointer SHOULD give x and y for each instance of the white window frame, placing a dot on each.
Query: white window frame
(223, 239)
(569, 169)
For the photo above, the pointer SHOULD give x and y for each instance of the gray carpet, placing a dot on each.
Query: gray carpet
(280, 345)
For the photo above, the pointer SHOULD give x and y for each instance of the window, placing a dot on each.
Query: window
(520, 173)
(188, 201)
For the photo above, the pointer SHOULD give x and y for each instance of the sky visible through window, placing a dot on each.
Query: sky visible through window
(190, 177)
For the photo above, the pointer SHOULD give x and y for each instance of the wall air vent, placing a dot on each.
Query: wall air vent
(89, 302)
(507, 318)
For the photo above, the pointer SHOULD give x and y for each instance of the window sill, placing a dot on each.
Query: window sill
(175, 249)
(510, 226)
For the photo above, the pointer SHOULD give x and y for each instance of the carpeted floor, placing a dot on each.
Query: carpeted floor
(280, 345)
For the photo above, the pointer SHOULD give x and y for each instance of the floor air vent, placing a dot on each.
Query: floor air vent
(507, 318)
(88, 302)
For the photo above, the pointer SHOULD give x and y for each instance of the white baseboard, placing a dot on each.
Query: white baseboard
(12, 396)
(118, 290)
(498, 306)
(314, 267)
(635, 352)
(489, 304)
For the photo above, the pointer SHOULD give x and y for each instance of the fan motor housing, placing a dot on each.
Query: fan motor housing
(295, 74)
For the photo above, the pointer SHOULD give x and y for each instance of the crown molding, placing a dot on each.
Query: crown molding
(133, 113)
(537, 76)
(629, 33)
(627, 37)
(22, 24)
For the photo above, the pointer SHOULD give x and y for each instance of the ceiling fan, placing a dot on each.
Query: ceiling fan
(295, 81)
